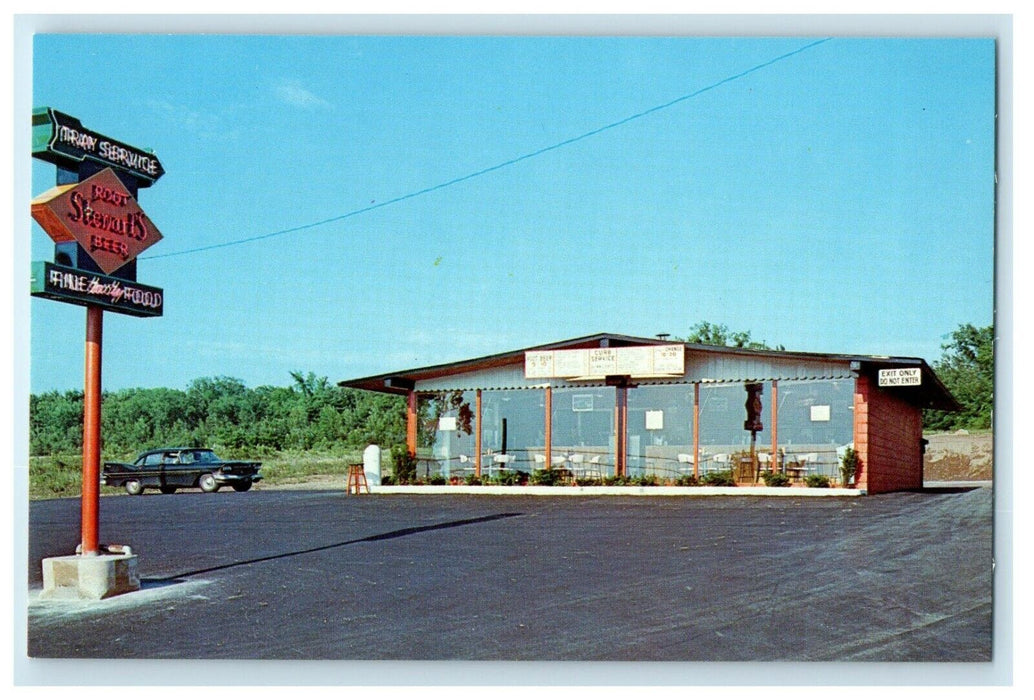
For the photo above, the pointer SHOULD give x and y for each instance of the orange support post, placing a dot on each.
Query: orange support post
(620, 430)
(411, 409)
(549, 427)
(92, 431)
(775, 427)
(696, 430)
(477, 433)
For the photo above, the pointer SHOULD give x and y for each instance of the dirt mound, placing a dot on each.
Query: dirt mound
(959, 456)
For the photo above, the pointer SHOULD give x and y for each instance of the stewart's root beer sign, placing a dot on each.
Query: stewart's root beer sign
(98, 215)
(101, 215)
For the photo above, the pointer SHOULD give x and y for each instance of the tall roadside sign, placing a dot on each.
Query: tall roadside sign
(98, 230)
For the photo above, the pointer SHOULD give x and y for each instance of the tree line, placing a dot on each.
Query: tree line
(314, 414)
(221, 412)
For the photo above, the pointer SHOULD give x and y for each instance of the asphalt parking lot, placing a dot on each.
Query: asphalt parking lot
(321, 575)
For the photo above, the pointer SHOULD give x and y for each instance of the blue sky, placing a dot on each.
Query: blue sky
(838, 200)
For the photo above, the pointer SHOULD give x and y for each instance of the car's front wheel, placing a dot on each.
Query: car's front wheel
(208, 483)
(133, 487)
(242, 486)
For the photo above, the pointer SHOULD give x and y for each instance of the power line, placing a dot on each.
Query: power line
(498, 166)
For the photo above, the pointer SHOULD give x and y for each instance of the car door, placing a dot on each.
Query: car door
(174, 472)
(149, 471)
(190, 468)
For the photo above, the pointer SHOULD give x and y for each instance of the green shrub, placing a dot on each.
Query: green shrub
(849, 465)
(545, 477)
(722, 478)
(775, 478)
(437, 480)
(615, 481)
(403, 464)
(646, 480)
(817, 481)
(686, 480)
(506, 477)
(472, 480)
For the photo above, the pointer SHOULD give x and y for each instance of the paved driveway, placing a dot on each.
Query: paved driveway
(321, 575)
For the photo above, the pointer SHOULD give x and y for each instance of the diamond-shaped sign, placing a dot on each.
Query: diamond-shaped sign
(101, 215)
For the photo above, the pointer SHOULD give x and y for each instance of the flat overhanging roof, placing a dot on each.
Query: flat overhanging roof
(930, 393)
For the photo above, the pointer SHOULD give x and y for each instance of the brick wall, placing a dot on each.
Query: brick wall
(887, 432)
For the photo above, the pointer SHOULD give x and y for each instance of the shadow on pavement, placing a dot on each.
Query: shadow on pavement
(404, 532)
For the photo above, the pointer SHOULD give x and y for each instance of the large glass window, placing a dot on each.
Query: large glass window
(446, 433)
(724, 442)
(513, 429)
(660, 430)
(816, 423)
(583, 431)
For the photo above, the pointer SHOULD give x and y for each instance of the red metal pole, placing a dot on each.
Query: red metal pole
(92, 431)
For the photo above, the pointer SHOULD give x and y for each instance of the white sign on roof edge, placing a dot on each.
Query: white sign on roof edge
(636, 361)
(904, 376)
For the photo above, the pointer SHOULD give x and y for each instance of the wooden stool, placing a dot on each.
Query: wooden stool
(357, 478)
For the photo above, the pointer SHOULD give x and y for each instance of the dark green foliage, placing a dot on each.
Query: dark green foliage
(506, 477)
(615, 481)
(546, 477)
(403, 465)
(817, 481)
(437, 480)
(706, 333)
(645, 480)
(967, 369)
(775, 478)
(222, 413)
(686, 480)
(849, 465)
(722, 478)
(472, 480)
(56, 423)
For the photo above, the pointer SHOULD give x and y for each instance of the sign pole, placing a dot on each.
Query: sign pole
(98, 229)
(92, 431)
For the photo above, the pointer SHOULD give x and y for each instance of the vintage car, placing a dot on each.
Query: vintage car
(172, 468)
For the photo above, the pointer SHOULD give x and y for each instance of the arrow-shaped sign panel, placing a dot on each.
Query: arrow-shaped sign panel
(63, 140)
(101, 215)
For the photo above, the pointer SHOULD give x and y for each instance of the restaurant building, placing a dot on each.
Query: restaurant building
(613, 405)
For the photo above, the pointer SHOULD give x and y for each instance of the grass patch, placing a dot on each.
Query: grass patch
(292, 467)
(61, 476)
(57, 476)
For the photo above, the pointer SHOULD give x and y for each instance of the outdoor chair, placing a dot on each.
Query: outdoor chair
(577, 461)
(687, 460)
(595, 468)
(719, 462)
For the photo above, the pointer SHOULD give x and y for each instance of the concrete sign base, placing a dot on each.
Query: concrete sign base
(86, 577)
